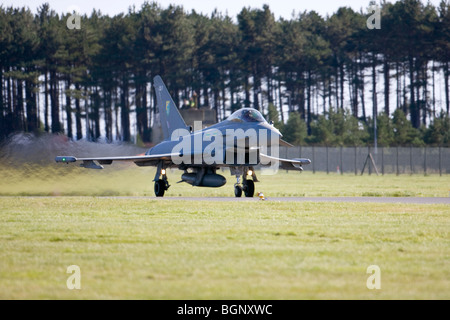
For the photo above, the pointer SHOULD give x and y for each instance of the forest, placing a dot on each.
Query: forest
(322, 80)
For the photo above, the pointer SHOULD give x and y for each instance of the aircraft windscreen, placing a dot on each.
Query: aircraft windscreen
(247, 115)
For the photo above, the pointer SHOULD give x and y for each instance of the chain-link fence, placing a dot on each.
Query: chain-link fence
(357, 160)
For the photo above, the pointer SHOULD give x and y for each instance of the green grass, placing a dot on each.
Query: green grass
(147, 249)
(127, 179)
(143, 248)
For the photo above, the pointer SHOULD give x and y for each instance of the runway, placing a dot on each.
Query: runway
(404, 200)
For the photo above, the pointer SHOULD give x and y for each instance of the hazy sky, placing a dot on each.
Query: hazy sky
(281, 8)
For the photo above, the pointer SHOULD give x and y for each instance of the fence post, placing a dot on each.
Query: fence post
(356, 171)
(341, 168)
(440, 163)
(285, 155)
(425, 161)
(382, 161)
(313, 161)
(328, 170)
(411, 160)
(397, 162)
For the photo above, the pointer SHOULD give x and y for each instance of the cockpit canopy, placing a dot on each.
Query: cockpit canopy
(247, 115)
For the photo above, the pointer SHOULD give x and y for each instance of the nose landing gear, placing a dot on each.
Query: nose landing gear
(248, 185)
(249, 188)
(237, 191)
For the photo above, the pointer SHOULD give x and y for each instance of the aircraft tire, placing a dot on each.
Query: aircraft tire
(237, 191)
(160, 188)
(249, 188)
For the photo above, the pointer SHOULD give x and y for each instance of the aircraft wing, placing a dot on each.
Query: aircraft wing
(287, 164)
(285, 144)
(153, 160)
(97, 162)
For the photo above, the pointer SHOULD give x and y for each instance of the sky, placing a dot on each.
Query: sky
(281, 8)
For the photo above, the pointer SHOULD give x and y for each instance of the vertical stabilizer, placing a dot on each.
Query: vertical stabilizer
(169, 115)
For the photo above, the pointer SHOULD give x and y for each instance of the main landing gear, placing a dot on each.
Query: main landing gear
(161, 182)
(248, 185)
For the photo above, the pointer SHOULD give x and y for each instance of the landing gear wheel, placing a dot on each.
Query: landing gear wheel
(237, 191)
(160, 188)
(249, 188)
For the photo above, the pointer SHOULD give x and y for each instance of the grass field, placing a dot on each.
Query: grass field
(129, 180)
(143, 248)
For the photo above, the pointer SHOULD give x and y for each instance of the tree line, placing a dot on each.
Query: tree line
(91, 82)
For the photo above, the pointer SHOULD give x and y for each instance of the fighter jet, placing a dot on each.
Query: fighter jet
(240, 142)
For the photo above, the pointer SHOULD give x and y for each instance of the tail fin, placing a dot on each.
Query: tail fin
(169, 115)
